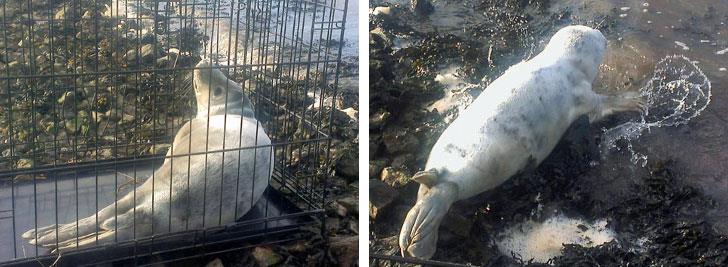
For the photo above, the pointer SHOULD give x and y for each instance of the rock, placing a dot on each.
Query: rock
(299, 246)
(379, 39)
(382, 10)
(403, 161)
(337, 103)
(266, 257)
(159, 148)
(67, 97)
(352, 113)
(378, 119)
(457, 224)
(422, 7)
(380, 196)
(398, 139)
(87, 15)
(375, 168)
(348, 164)
(375, 141)
(332, 224)
(71, 126)
(394, 177)
(105, 153)
(350, 205)
(345, 249)
(147, 54)
(215, 263)
(16, 66)
(60, 15)
(24, 163)
(340, 209)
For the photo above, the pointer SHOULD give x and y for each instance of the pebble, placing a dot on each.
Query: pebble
(682, 45)
(382, 10)
(266, 257)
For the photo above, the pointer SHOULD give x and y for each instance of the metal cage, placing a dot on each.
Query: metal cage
(92, 93)
(384, 260)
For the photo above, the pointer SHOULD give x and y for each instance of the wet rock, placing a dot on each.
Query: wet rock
(266, 257)
(394, 177)
(345, 249)
(380, 196)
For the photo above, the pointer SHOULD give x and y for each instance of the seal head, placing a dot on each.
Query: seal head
(217, 94)
(582, 46)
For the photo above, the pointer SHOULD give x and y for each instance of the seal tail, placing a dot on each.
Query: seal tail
(418, 237)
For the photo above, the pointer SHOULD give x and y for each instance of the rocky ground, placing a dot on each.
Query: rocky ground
(410, 51)
(50, 115)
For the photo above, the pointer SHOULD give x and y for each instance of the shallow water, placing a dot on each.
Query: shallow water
(649, 31)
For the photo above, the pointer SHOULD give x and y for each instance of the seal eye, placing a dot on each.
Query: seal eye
(217, 91)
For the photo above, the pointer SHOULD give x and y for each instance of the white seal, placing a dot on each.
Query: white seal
(197, 186)
(515, 123)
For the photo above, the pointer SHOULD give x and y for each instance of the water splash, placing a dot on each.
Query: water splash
(677, 92)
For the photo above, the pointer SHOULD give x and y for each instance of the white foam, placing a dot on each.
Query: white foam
(543, 241)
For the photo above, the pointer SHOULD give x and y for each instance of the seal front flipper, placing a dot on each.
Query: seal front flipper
(624, 102)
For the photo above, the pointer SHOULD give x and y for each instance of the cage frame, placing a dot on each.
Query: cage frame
(310, 213)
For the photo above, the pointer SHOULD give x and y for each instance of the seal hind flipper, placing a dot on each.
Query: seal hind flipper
(418, 236)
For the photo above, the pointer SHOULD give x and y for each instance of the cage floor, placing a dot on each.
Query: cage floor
(79, 194)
